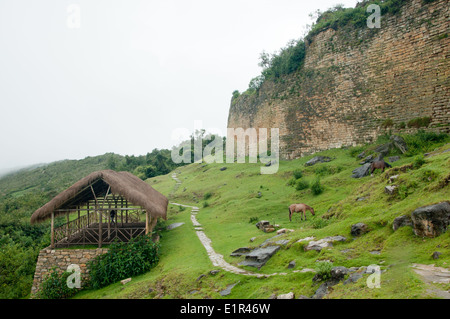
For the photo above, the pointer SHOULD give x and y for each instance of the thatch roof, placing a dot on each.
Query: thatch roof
(123, 184)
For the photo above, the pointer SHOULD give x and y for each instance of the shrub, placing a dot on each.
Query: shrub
(123, 260)
(316, 187)
(423, 141)
(207, 196)
(318, 223)
(297, 174)
(387, 123)
(323, 270)
(418, 161)
(301, 185)
(419, 122)
(55, 286)
(205, 204)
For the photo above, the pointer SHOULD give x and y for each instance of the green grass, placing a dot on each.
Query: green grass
(233, 200)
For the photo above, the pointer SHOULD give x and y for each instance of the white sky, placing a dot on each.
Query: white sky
(132, 73)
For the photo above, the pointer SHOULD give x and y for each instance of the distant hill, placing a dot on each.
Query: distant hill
(53, 177)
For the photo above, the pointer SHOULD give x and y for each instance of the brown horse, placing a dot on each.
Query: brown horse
(302, 208)
(378, 165)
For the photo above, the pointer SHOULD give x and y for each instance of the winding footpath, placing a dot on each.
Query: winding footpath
(216, 258)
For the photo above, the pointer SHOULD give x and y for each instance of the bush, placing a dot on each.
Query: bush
(316, 187)
(207, 196)
(318, 223)
(419, 122)
(297, 174)
(123, 260)
(323, 270)
(423, 142)
(55, 286)
(301, 185)
(418, 161)
(387, 123)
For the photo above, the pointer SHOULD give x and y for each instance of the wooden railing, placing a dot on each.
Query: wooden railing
(84, 230)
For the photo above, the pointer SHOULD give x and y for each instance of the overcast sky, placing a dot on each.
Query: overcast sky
(82, 78)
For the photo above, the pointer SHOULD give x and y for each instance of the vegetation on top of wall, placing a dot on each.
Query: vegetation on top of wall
(290, 58)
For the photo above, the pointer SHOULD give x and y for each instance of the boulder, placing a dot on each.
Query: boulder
(265, 226)
(353, 278)
(393, 159)
(391, 190)
(431, 221)
(359, 229)
(393, 178)
(258, 257)
(323, 243)
(223, 168)
(361, 171)
(436, 255)
(338, 273)
(401, 222)
(321, 292)
(241, 252)
(292, 264)
(318, 159)
(399, 143)
(286, 296)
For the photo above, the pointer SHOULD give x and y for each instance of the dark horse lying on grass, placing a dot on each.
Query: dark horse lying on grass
(302, 208)
(378, 165)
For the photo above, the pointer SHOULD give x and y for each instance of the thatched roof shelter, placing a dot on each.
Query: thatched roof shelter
(98, 187)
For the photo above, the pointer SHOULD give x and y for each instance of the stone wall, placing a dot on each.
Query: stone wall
(61, 259)
(353, 80)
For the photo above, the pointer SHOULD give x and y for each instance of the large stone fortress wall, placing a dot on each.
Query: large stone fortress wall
(353, 80)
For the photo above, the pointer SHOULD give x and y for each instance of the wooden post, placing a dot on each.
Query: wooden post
(147, 225)
(88, 221)
(67, 226)
(100, 231)
(53, 231)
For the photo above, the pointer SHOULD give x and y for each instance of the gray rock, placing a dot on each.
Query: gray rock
(391, 190)
(223, 168)
(214, 272)
(368, 159)
(358, 229)
(338, 273)
(323, 243)
(431, 221)
(353, 278)
(173, 226)
(262, 224)
(258, 257)
(292, 264)
(321, 292)
(375, 252)
(361, 171)
(436, 255)
(393, 159)
(399, 143)
(401, 221)
(318, 159)
(286, 296)
(227, 290)
(241, 252)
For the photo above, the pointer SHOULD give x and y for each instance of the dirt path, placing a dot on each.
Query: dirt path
(216, 258)
(432, 275)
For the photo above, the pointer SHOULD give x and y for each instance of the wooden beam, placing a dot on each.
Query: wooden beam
(53, 231)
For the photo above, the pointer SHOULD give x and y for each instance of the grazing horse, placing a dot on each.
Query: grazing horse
(113, 215)
(378, 165)
(302, 208)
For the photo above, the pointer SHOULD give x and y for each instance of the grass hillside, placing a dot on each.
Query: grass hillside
(231, 201)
